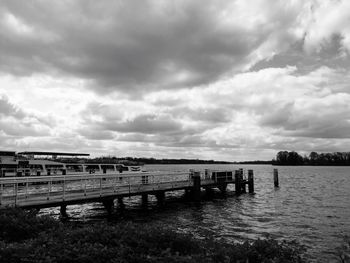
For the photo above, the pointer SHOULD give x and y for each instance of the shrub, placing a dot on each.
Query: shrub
(128, 242)
(18, 224)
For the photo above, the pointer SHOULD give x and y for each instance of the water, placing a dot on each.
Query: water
(312, 206)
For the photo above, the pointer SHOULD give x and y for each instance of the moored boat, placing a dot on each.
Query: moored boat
(28, 164)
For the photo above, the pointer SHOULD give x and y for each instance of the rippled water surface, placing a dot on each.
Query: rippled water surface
(312, 205)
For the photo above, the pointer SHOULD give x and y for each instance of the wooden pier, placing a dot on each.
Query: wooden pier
(62, 190)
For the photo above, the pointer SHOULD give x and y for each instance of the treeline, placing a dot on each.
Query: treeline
(140, 161)
(314, 158)
(254, 162)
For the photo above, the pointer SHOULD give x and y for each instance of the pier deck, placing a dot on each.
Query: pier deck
(62, 190)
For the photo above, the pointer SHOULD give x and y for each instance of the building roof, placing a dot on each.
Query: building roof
(54, 153)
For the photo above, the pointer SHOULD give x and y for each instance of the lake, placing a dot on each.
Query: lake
(312, 206)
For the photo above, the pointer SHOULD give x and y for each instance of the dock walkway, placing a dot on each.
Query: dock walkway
(62, 190)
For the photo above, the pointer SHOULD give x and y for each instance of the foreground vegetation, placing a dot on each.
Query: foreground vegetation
(25, 237)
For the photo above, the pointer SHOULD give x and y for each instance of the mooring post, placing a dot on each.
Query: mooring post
(238, 186)
(121, 204)
(144, 199)
(63, 210)
(109, 205)
(160, 195)
(275, 177)
(251, 181)
(196, 186)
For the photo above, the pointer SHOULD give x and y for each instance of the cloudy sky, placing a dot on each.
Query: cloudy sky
(223, 80)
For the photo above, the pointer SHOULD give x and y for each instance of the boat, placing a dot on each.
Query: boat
(28, 164)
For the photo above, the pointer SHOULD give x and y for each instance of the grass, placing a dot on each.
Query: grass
(26, 237)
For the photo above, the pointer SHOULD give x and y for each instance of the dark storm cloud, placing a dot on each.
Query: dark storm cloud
(124, 44)
(331, 54)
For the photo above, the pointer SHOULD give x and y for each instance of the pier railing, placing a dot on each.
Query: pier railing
(46, 191)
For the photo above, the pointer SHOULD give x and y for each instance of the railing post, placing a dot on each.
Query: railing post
(100, 186)
(1, 190)
(64, 188)
(26, 192)
(16, 189)
(85, 187)
(48, 189)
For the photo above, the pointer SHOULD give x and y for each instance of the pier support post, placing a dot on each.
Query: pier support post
(196, 186)
(209, 192)
(222, 187)
(251, 181)
(144, 200)
(188, 194)
(160, 198)
(121, 204)
(275, 178)
(109, 205)
(63, 210)
(238, 184)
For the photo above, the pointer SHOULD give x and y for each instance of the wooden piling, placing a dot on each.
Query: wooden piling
(121, 204)
(275, 177)
(238, 186)
(109, 205)
(160, 195)
(223, 187)
(196, 186)
(144, 199)
(251, 181)
(63, 210)
(209, 192)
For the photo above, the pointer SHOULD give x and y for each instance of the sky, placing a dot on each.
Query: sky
(223, 80)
